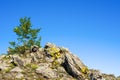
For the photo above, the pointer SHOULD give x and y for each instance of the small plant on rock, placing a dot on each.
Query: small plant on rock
(54, 52)
(84, 70)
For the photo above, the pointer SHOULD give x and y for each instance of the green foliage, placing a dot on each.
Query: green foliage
(84, 70)
(26, 37)
(54, 52)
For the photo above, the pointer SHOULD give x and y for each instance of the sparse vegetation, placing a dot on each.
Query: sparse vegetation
(33, 66)
(54, 52)
(7, 70)
(50, 63)
(84, 70)
(55, 64)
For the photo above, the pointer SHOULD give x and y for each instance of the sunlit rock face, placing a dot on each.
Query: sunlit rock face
(48, 63)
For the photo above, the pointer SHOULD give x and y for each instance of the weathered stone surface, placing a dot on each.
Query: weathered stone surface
(61, 70)
(49, 59)
(2, 56)
(66, 78)
(47, 72)
(71, 66)
(9, 76)
(46, 64)
(49, 45)
(42, 67)
(27, 61)
(16, 69)
(19, 76)
(33, 56)
(109, 76)
(16, 60)
(118, 78)
(4, 66)
(34, 48)
(97, 75)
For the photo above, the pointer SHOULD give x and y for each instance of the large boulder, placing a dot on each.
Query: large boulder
(73, 66)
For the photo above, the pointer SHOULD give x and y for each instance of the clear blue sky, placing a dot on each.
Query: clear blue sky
(89, 28)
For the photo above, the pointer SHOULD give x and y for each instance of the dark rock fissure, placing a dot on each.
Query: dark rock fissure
(68, 69)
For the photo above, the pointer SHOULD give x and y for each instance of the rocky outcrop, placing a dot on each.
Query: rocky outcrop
(97, 75)
(48, 63)
(118, 78)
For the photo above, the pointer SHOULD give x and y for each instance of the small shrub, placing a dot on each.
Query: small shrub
(54, 52)
(84, 70)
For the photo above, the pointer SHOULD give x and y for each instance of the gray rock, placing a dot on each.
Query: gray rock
(46, 71)
(4, 66)
(17, 61)
(38, 63)
(77, 61)
(9, 76)
(118, 78)
(27, 61)
(16, 69)
(40, 53)
(19, 76)
(67, 78)
(42, 67)
(2, 56)
(61, 70)
(49, 45)
(33, 56)
(72, 67)
(109, 77)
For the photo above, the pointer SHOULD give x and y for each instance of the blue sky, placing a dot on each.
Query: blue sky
(89, 28)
